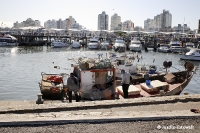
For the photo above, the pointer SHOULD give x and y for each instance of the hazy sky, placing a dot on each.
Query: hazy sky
(86, 12)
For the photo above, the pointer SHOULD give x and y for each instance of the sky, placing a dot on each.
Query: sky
(86, 12)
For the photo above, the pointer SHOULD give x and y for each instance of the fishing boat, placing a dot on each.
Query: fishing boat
(102, 72)
(52, 86)
(166, 84)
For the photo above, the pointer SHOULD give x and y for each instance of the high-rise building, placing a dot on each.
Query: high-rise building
(115, 22)
(149, 25)
(163, 21)
(128, 25)
(103, 21)
(59, 24)
(50, 24)
(199, 27)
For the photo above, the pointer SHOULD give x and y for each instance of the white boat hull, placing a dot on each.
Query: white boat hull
(164, 50)
(105, 46)
(59, 44)
(136, 49)
(76, 45)
(93, 46)
(8, 44)
(189, 57)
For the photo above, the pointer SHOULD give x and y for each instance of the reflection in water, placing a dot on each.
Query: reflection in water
(21, 67)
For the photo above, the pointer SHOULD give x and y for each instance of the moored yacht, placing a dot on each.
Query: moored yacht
(105, 45)
(189, 46)
(57, 43)
(135, 46)
(93, 44)
(119, 45)
(8, 40)
(76, 44)
(193, 54)
(175, 47)
(163, 48)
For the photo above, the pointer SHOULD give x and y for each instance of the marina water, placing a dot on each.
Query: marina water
(21, 67)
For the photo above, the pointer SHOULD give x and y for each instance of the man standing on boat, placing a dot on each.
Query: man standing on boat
(72, 84)
(125, 82)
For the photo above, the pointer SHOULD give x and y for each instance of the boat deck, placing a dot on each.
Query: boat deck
(144, 93)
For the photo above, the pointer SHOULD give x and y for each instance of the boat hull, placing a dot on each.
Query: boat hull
(93, 46)
(135, 49)
(8, 44)
(189, 57)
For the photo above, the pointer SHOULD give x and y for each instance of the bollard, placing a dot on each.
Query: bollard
(39, 100)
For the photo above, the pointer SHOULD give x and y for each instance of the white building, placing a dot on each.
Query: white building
(50, 24)
(163, 20)
(149, 25)
(128, 25)
(115, 22)
(27, 23)
(103, 21)
(59, 24)
(68, 23)
(181, 28)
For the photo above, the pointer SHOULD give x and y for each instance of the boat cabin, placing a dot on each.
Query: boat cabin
(92, 73)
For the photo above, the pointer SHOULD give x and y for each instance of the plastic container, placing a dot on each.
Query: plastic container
(148, 82)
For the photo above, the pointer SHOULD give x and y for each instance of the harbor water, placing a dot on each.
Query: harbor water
(21, 67)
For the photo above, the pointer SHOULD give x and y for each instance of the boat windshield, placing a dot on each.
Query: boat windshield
(93, 41)
(175, 44)
(119, 41)
(136, 42)
(190, 45)
(176, 47)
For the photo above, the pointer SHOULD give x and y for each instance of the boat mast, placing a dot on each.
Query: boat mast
(183, 25)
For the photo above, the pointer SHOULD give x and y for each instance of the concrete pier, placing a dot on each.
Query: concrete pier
(55, 112)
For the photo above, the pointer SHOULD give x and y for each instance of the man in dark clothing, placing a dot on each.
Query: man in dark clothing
(125, 82)
(72, 84)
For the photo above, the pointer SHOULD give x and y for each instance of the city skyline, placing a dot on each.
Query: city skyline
(86, 13)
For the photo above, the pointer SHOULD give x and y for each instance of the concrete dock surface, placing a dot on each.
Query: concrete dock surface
(23, 113)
